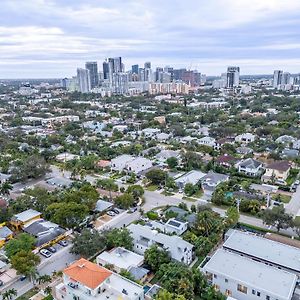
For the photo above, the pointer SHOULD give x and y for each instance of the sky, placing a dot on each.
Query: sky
(51, 38)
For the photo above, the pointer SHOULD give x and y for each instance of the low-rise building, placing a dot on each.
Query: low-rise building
(85, 280)
(172, 226)
(120, 258)
(24, 218)
(246, 279)
(250, 167)
(144, 237)
(277, 172)
(192, 177)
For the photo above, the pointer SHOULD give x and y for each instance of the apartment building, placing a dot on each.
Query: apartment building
(144, 237)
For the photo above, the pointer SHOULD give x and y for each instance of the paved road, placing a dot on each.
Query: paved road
(58, 261)
(293, 207)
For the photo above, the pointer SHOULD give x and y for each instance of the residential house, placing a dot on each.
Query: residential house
(207, 141)
(163, 155)
(120, 258)
(210, 181)
(285, 139)
(226, 161)
(5, 235)
(277, 172)
(245, 138)
(250, 167)
(192, 177)
(144, 237)
(172, 226)
(85, 280)
(119, 163)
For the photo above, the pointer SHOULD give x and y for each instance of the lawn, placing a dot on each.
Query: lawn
(152, 188)
(189, 199)
(28, 294)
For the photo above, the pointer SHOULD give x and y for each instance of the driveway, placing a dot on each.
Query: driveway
(293, 207)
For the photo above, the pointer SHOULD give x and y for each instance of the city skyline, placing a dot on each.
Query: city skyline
(42, 39)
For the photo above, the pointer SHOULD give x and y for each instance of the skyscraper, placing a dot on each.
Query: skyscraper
(277, 78)
(233, 77)
(93, 69)
(147, 65)
(135, 69)
(105, 70)
(84, 82)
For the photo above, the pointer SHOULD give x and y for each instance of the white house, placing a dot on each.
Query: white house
(250, 167)
(192, 177)
(207, 141)
(119, 163)
(245, 138)
(85, 280)
(120, 258)
(138, 165)
(144, 237)
(172, 226)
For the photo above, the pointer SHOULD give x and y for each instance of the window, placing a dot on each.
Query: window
(226, 280)
(258, 294)
(242, 288)
(216, 287)
(267, 297)
(228, 293)
(215, 276)
(253, 292)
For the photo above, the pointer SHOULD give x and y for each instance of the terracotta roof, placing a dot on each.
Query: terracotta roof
(87, 273)
(226, 159)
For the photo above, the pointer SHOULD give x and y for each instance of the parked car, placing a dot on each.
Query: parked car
(115, 211)
(133, 209)
(51, 249)
(63, 243)
(1, 283)
(111, 213)
(22, 278)
(46, 253)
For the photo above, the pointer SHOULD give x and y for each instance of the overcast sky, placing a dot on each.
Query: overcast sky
(51, 38)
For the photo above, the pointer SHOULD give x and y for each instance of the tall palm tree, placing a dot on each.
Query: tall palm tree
(48, 290)
(5, 188)
(7, 295)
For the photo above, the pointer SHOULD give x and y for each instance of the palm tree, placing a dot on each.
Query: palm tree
(7, 295)
(44, 279)
(48, 290)
(33, 275)
(5, 188)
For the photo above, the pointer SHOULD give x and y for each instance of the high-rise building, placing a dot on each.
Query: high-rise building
(286, 78)
(233, 77)
(92, 66)
(120, 83)
(147, 65)
(105, 70)
(135, 69)
(84, 82)
(158, 74)
(277, 78)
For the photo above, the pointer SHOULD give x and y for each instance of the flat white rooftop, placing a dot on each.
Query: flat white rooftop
(121, 258)
(274, 282)
(264, 249)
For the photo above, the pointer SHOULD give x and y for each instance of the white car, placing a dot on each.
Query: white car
(46, 253)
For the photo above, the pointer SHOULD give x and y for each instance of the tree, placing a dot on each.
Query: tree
(155, 257)
(109, 185)
(218, 196)
(172, 162)
(23, 241)
(25, 263)
(165, 295)
(277, 217)
(156, 176)
(118, 237)
(296, 226)
(88, 243)
(5, 188)
(125, 201)
(207, 223)
(68, 215)
(232, 216)
(7, 295)
(190, 189)
(136, 190)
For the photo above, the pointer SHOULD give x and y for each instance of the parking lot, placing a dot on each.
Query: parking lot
(103, 222)
(54, 250)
